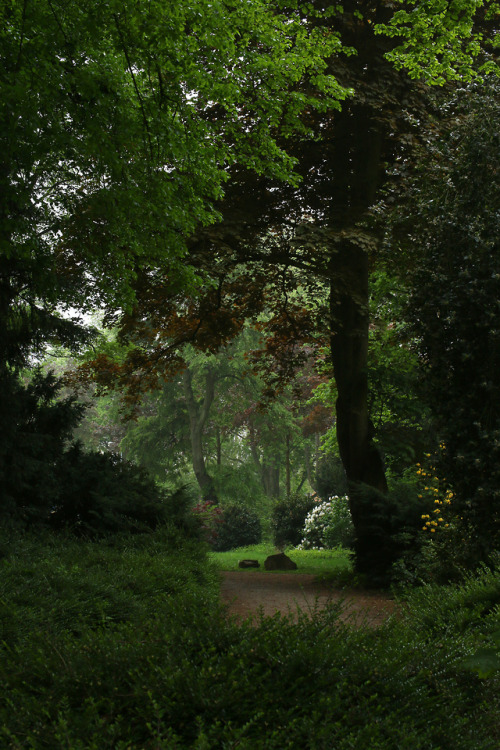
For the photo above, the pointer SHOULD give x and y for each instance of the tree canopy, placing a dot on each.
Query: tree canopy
(190, 168)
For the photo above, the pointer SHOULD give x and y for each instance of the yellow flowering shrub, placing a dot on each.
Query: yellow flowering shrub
(434, 488)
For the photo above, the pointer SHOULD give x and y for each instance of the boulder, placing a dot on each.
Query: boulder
(249, 564)
(279, 562)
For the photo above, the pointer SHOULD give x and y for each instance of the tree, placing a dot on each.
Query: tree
(322, 228)
(118, 125)
(452, 227)
(211, 416)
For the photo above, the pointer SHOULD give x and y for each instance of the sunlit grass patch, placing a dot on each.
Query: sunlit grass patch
(323, 563)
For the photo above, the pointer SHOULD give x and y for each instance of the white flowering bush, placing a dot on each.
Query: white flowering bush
(328, 525)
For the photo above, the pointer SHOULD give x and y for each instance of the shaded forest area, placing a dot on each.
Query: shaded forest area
(249, 289)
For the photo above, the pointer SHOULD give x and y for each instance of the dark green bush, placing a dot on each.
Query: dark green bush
(46, 479)
(102, 493)
(288, 519)
(330, 477)
(239, 528)
(36, 428)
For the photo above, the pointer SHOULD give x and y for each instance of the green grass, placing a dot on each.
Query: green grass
(325, 564)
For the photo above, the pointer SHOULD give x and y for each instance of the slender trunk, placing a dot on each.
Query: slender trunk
(254, 450)
(271, 478)
(219, 447)
(198, 414)
(301, 483)
(317, 443)
(268, 468)
(287, 466)
(308, 471)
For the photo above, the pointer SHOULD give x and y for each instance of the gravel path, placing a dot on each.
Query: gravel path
(246, 593)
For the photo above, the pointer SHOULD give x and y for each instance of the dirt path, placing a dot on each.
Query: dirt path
(246, 593)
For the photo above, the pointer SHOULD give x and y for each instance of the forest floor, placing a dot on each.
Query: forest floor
(249, 594)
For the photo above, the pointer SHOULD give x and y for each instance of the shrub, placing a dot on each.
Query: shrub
(209, 517)
(102, 493)
(328, 525)
(330, 477)
(48, 479)
(36, 428)
(240, 527)
(288, 519)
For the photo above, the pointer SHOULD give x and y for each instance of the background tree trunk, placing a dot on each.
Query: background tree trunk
(198, 414)
(271, 478)
(287, 466)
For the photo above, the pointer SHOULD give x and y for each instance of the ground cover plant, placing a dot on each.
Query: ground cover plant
(122, 644)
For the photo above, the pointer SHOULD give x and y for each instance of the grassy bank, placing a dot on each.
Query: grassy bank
(122, 646)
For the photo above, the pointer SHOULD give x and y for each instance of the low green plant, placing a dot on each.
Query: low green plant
(238, 526)
(472, 604)
(121, 645)
(486, 660)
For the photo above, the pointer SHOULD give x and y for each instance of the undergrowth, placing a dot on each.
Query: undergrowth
(123, 645)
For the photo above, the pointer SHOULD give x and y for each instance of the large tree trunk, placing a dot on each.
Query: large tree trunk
(198, 414)
(349, 350)
(361, 459)
(358, 164)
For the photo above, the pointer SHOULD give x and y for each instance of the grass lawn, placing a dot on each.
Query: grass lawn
(328, 563)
